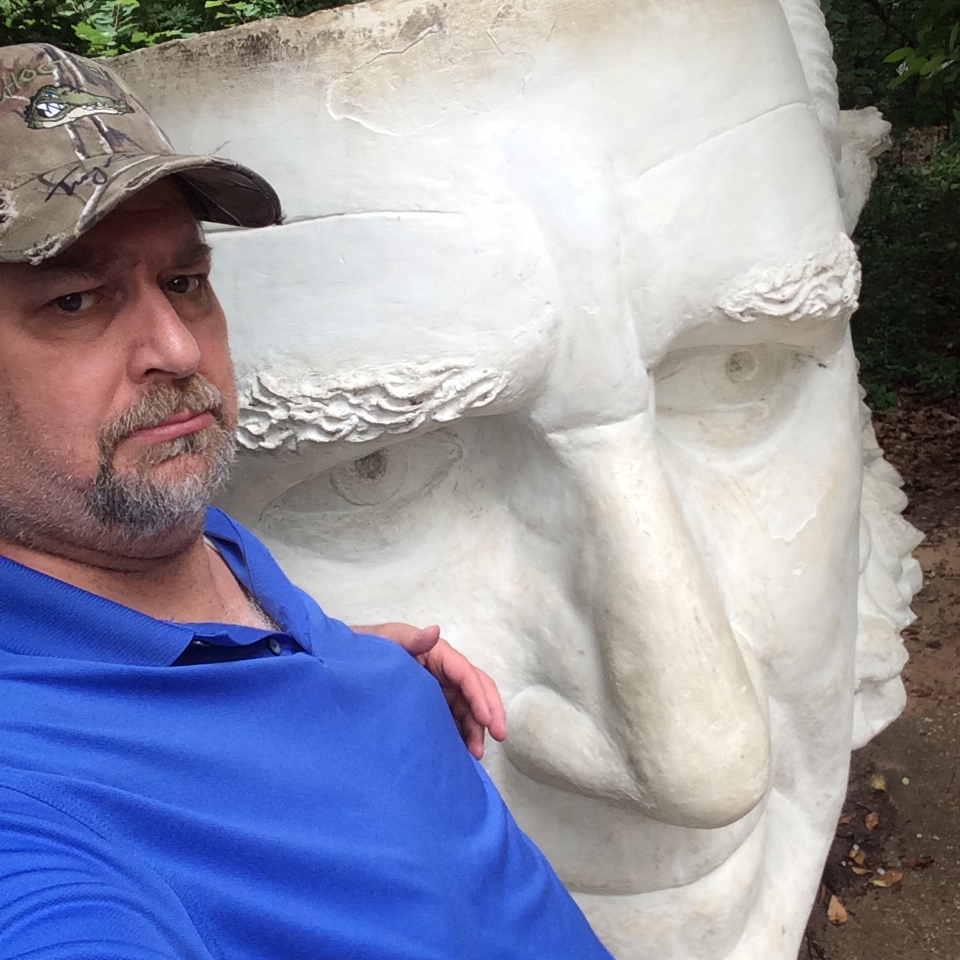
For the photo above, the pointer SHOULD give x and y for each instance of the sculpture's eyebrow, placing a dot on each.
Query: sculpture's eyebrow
(823, 285)
(279, 410)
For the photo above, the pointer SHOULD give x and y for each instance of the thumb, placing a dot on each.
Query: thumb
(423, 641)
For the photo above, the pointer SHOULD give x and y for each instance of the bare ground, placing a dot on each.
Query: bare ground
(891, 886)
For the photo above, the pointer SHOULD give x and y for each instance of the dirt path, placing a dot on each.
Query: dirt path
(902, 814)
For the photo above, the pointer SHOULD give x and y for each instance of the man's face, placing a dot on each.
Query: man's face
(116, 387)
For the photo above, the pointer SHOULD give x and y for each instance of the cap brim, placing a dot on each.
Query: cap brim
(50, 212)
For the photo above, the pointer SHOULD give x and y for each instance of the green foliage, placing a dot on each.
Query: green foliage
(96, 28)
(230, 13)
(102, 28)
(862, 39)
(114, 28)
(907, 332)
(933, 59)
(902, 55)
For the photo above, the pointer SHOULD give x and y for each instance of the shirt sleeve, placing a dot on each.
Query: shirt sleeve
(64, 893)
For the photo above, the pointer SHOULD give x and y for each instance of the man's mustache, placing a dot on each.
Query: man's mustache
(160, 401)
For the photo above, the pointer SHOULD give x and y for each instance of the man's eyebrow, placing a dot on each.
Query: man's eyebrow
(92, 266)
(192, 253)
(85, 267)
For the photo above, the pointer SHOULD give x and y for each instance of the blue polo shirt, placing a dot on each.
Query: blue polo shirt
(298, 795)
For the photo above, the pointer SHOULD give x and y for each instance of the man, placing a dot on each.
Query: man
(196, 762)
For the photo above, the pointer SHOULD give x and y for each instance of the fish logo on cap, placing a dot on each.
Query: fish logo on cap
(54, 106)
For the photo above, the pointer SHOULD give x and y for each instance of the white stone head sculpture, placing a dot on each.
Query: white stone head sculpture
(553, 350)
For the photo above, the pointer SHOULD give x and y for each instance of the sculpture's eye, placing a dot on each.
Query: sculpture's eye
(372, 479)
(741, 367)
(373, 492)
(729, 395)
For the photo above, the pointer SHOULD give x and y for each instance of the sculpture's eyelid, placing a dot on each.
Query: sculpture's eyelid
(753, 382)
(384, 478)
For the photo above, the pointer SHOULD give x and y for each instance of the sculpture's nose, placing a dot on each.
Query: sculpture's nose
(683, 735)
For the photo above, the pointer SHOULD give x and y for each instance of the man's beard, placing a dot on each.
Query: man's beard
(49, 506)
(135, 501)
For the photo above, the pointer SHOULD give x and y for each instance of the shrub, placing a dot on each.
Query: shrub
(96, 28)
(906, 332)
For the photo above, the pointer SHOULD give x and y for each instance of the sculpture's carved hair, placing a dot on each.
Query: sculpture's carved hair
(889, 575)
(816, 55)
(889, 579)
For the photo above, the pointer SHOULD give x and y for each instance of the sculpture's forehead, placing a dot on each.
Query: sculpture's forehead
(464, 180)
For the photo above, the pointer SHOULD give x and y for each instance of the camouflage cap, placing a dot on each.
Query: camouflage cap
(75, 142)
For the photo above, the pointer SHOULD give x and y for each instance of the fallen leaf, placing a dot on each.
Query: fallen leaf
(878, 781)
(871, 820)
(836, 913)
(845, 819)
(861, 871)
(887, 879)
(859, 857)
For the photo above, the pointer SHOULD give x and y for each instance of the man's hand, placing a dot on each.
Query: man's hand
(471, 694)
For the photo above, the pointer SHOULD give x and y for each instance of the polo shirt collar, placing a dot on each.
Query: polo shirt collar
(43, 616)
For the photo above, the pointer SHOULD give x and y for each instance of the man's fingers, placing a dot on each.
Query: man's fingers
(478, 690)
(423, 641)
(472, 734)
(415, 641)
(473, 684)
(497, 724)
(471, 731)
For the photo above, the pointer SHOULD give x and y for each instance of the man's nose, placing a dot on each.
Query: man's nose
(163, 343)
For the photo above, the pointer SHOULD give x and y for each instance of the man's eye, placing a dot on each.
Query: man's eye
(183, 284)
(73, 302)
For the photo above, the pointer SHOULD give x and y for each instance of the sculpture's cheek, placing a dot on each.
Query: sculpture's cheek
(762, 444)
(471, 526)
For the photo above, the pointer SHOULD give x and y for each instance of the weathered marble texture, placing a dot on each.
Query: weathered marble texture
(553, 350)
